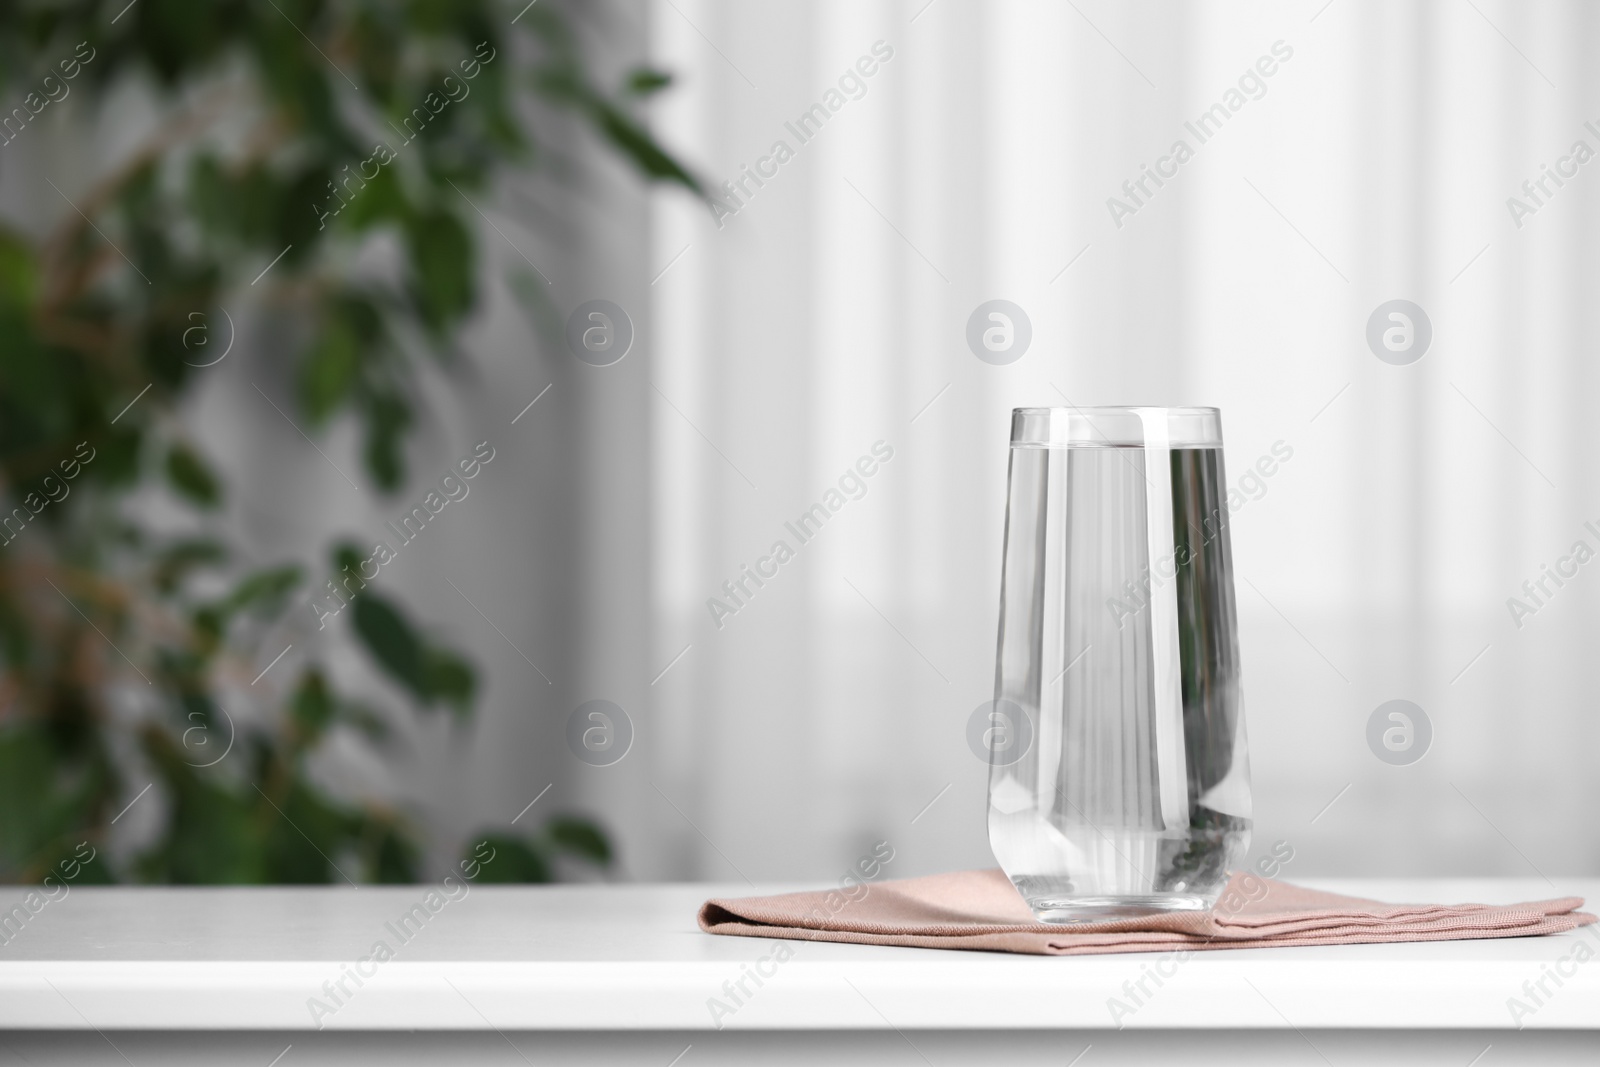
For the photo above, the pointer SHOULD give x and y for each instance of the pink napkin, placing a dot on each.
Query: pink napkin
(981, 910)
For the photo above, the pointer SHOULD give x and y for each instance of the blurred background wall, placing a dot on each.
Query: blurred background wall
(823, 310)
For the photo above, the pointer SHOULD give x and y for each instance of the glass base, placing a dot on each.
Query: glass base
(1063, 910)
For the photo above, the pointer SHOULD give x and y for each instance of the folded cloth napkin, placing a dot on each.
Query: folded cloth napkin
(981, 910)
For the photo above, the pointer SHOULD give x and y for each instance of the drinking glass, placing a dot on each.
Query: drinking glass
(1118, 664)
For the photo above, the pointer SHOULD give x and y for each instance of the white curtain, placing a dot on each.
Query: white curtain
(826, 311)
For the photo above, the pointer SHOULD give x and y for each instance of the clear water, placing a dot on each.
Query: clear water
(1118, 639)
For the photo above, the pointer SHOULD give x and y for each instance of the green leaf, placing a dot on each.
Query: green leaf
(387, 419)
(191, 477)
(391, 855)
(441, 264)
(432, 674)
(329, 370)
(644, 81)
(632, 140)
(506, 860)
(451, 679)
(381, 200)
(312, 707)
(393, 643)
(347, 561)
(115, 460)
(263, 591)
(580, 837)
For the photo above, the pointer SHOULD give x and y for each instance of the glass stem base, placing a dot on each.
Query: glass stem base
(1064, 910)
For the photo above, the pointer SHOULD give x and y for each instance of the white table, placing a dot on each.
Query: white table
(620, 974)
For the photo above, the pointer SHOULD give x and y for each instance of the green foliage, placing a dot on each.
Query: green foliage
(40, 807)
(291, 134)
(191, 477)
(432, 673)
(514, 860)
(580, 838)
(504, 857)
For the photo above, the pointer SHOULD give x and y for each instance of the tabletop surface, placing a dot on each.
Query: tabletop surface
(631, 957)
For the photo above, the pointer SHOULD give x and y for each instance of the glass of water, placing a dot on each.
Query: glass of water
(1124, 786)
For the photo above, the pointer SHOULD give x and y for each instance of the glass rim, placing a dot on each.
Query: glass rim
(1116, 426)
(1181, 409)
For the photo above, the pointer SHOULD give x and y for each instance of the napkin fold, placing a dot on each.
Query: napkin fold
(981, 910)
